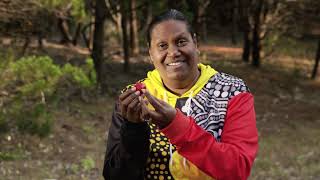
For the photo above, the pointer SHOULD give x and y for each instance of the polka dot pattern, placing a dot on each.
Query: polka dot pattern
(158, 161)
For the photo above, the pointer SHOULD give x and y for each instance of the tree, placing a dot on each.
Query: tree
(98, 37)
(125, 39)
(24, 19)
(199, 21)
(245, 26)
(134, 36)
(259, 20)
(316, 64)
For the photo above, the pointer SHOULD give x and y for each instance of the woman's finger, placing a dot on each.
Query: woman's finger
(127, 93)
(153, 101)
(130, 98)
(133, 105)
(125, 103)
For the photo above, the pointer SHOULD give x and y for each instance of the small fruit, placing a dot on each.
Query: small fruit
(139, 86)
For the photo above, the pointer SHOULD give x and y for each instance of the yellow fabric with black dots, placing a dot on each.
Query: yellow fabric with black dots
(182, 169)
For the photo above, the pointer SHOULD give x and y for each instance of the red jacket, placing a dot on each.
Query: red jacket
(230, 159)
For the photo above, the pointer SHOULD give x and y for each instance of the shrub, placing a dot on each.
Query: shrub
(31, 83)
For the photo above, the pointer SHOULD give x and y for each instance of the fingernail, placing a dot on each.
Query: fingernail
(137, 92)
(133, 88)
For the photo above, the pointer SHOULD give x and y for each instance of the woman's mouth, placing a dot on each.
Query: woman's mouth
(175, 63)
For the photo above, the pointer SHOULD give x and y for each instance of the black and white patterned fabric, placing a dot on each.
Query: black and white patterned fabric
(209, 106)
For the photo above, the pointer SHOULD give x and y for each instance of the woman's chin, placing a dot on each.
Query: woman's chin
(178, 76)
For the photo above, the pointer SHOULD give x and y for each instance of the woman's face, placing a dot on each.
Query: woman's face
(173, 51)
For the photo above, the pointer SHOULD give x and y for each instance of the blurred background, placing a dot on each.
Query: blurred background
(63, 64)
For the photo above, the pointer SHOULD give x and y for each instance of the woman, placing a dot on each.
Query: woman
(202, 122)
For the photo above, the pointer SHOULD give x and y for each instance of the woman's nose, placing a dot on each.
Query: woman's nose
(173, 51)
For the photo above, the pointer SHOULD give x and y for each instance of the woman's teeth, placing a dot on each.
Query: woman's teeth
(174, 64)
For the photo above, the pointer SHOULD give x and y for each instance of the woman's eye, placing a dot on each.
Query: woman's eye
(182, 42)
(162, 45)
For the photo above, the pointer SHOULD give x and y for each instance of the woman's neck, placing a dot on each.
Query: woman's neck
(180, 87)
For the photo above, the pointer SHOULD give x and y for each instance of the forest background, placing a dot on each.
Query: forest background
(63, 64)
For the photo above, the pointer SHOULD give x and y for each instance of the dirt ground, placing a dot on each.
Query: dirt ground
(288, 120)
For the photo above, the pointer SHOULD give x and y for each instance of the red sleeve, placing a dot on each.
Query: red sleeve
(229, 159)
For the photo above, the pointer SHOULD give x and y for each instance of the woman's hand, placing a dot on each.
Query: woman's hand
(163, 113)
(130, 105)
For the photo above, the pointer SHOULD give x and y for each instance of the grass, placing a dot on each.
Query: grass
(11, 156)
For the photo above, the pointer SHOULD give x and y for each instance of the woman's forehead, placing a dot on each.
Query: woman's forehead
(169, 28)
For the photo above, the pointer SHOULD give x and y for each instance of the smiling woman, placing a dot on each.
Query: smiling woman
(173, 51)
(191, 122)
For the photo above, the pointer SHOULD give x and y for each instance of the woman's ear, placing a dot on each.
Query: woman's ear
(194, 38)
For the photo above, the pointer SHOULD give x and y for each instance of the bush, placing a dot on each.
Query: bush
(31, 84)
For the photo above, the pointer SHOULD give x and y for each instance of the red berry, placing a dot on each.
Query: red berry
(139, 86)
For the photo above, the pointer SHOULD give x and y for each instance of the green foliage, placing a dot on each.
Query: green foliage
(5, 60)
(87, 163)
(77, 7)
(32, 85)
(10, 156)
(75, 168)
(51, 4)
(78, 10)
(84, 77)
(36, 120)
(36, 75)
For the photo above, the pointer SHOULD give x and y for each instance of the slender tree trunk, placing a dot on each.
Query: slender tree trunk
(91, 32)
(125, 42)
(149, 17)
(316, 65)
(246, 45)
(64, 29)
(98, 36)
(256, 44)
(134, 36)
(84, 35)
(204, 28)
(40, 40)
(194, 7)
(245, 27)
(25, 45)
(234, 22)
(77, 34)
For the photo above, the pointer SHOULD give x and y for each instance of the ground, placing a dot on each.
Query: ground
(286, 103)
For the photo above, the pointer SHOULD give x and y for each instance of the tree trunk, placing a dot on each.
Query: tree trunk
(245, 27)
(40, 40)
(246, 45)
(134, 36)
(125, 43)
(148, 14)
(64, 29)
(87, 40)
(25, 45)
(91, 31)
(77, 34)
(256, 44)
(316, 65)
(234, 22)
(98, 36)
